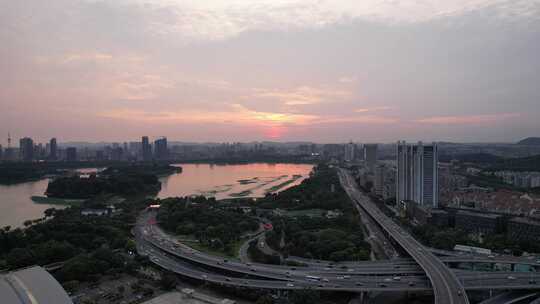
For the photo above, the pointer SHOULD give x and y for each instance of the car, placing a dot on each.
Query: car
(228, 279)
(225, 261)
(246, 283)
(293, 268)
(321, 285)
(204, 276)
(532, 281)
(397, 278)
(397, 267)
(326, 268)
(459, 293)
(491, 256)
(253, 270)
(382, 285)
(248, 264)
(346, 277)
(219, 263)
(388, 280)
(340, 278)
(350, 270)
(325, 280)
(411, 283)
(511, 277)
(290, 285)
(359, 284)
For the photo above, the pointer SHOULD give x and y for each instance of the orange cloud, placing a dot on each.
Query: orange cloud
(304, 95)
(468, 119)
(365, 110)
(238, 114)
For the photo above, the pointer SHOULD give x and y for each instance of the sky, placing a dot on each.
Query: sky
(280, 70)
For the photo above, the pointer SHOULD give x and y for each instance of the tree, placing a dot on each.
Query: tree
(266, 299)
(168, 281)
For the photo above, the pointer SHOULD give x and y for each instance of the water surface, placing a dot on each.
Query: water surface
(227, 181)
(16, 205)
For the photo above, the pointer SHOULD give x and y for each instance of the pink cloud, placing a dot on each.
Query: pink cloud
(467, 119)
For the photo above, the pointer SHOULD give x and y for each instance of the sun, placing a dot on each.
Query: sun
(275, 132)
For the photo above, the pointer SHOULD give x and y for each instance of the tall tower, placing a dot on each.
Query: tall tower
(370, 156)
(53, 154)
(146, 149)
(417, 176)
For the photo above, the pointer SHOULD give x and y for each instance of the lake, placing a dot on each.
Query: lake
(16, 205)
(230, 181)
(220, 181)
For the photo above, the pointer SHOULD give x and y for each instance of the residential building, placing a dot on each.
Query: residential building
(417, 174)
(53, 149)
(524, 229)
(71, 154)
(477, 222)
(370, 156)
(161, 152)
(350, 150)
(26, 149)
(146, 149)
(380, 175)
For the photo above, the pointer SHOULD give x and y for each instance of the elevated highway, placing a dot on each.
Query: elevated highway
(447, 289)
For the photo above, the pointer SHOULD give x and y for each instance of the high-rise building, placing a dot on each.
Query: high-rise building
(71, 154)
(146, 149)
(380, 174)
(370, 156)
(26, 149)
(53, 153)
(350, 150)
(417, 174)
(161, 151)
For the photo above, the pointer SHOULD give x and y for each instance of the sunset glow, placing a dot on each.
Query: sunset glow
(260, 69)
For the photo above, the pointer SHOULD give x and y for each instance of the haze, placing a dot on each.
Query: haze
(241, 70)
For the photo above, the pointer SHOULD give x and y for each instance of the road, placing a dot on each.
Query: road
(447, 289)
(356, 283)
(166, 252)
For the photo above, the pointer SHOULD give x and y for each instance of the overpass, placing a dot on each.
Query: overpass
(447, 289)
(363, 276)
(403, 274)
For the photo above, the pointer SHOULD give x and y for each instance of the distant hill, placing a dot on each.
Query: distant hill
(530, 141)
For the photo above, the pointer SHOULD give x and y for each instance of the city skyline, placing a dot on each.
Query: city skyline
(287, 70)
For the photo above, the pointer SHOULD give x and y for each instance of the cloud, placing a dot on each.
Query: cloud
(468, 119)
(373, 109)
(348, 79)
(237, 114)
(304, 95)
(223, 19)
(364, 119)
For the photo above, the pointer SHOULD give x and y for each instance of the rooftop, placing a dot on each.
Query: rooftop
(31, 285)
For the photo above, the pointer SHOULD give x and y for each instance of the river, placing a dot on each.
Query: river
(220, 181)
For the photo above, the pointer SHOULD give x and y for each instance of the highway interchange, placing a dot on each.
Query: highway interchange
(402, 274)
